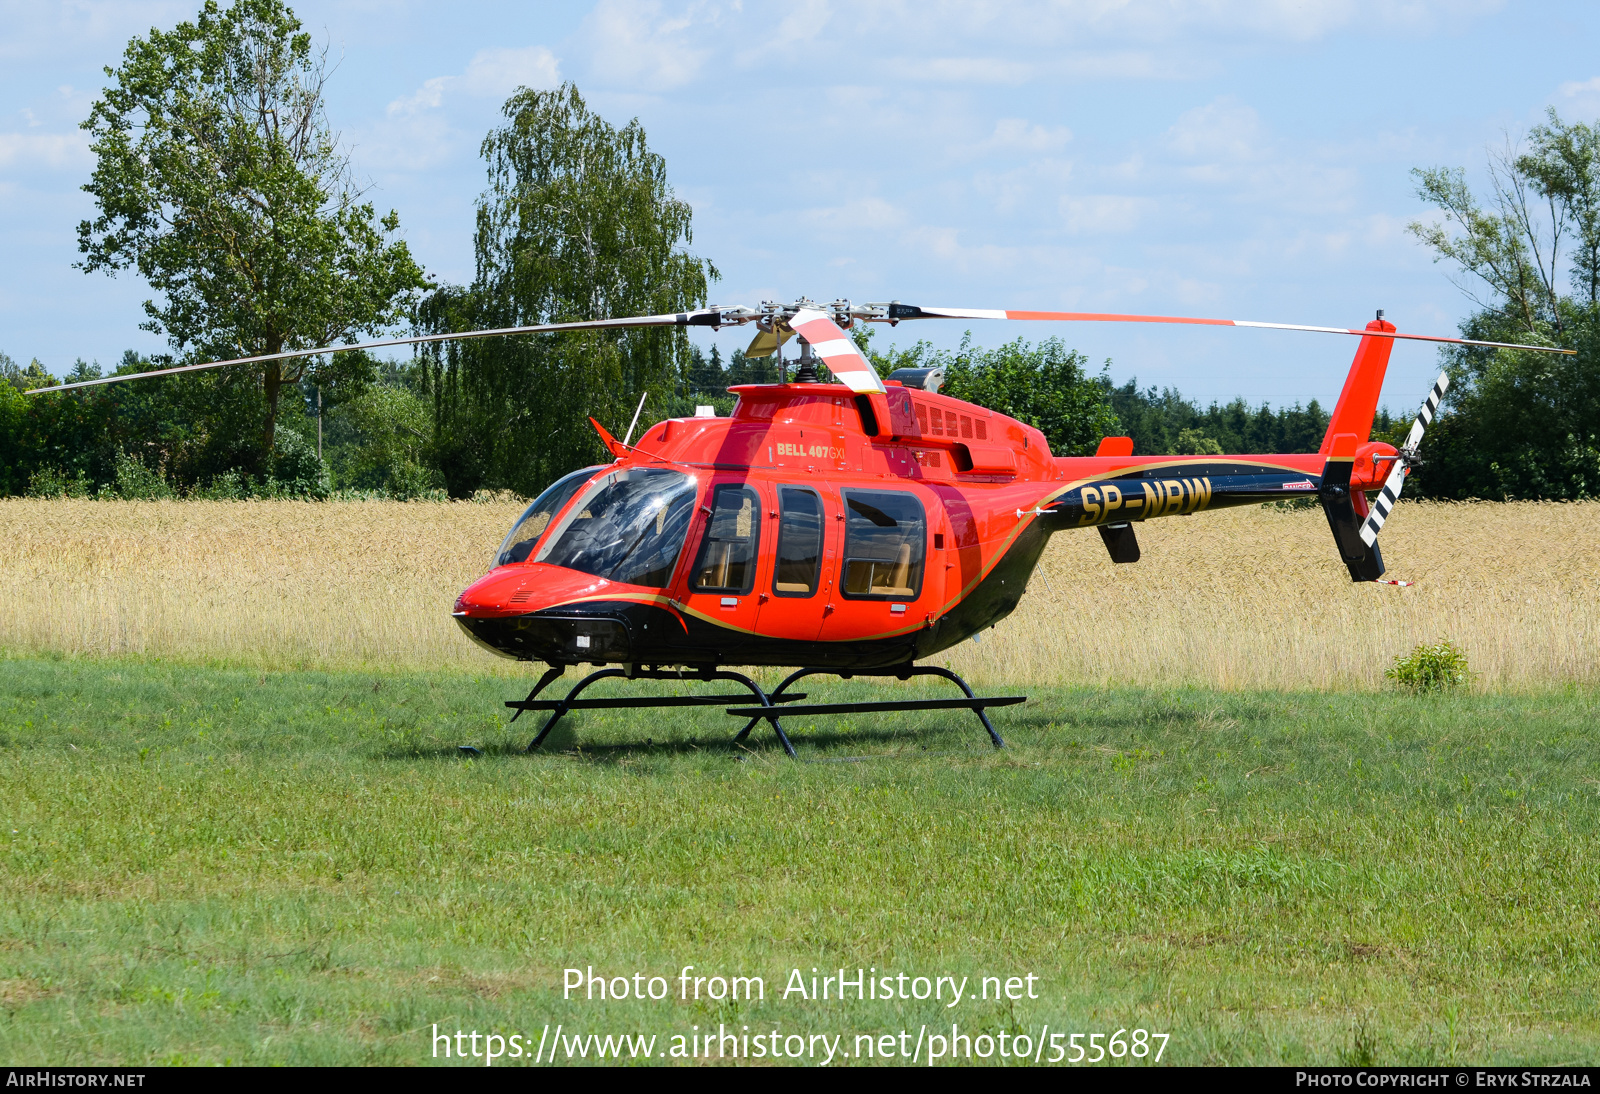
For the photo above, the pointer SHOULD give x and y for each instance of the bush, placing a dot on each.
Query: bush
(228, 486)
(297, 471)
(1439, 667)
(52, 482)
(136, 482)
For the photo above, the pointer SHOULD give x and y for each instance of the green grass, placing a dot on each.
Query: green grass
(207, 865)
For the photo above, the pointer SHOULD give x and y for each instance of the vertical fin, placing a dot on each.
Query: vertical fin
(1358, 402)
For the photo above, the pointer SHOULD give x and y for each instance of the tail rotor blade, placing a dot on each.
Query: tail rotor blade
(1402, 464)
(1430, 407)
(1386, 499)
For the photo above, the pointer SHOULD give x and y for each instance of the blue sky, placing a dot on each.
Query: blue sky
(1243, 159)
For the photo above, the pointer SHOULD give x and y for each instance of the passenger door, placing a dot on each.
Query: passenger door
(794, 600)
(722, 581)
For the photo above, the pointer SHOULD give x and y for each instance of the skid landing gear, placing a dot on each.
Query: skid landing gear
(771, 708)
(905, 672)
(559, 707)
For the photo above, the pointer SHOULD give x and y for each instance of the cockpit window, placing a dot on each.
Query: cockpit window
(628, 527)
(535, 519)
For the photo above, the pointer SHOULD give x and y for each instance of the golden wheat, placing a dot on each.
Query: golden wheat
(261, 583)
(1247, 598)
(1256, 598)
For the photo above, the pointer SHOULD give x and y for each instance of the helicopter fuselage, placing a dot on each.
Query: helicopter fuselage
(821, 527)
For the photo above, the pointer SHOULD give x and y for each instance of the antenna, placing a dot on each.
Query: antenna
(629, 435)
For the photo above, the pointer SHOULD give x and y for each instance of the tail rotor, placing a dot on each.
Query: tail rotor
(1404, 461)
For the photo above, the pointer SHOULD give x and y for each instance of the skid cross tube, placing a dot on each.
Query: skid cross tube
(906, 672)
(559, 707)
(550, 674)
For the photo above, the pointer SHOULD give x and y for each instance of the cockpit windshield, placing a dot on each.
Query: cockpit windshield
(535, 519)
(628, 527)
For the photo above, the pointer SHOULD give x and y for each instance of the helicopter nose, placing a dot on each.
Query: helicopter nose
(494, 593)
(516, 590)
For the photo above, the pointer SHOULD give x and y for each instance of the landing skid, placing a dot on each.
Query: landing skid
(559, 707)
(971, 702)
(768, 708)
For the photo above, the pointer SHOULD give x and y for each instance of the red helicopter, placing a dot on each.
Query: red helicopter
(858, 526)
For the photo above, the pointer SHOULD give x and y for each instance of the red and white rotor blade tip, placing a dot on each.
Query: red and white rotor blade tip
(1397, 475)
(907, 312)
(830, 342)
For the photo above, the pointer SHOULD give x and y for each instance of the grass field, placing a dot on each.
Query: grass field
(220, 864)
(1243, 598)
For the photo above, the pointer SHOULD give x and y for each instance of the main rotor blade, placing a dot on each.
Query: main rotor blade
(907, 311)
(830, 342)
(705, 317)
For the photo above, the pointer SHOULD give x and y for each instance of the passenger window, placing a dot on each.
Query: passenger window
(799, 542)
(885, 542)
(728, 554)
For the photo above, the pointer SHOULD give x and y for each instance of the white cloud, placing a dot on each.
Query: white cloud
(1103, 214)
(1024, 188)
(492, 73)
(1021, 135)
(862, 214)
(53, 150)
(1224, 144)
(412, 142)
(1123, 64)
(1224, 129)
(430, 96)
(1066, 22)
(635, 45)
(961, 70)
(498, 72)
(1580, 97)
(804, 21)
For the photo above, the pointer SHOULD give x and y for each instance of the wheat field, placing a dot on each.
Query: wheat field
(1240, 599)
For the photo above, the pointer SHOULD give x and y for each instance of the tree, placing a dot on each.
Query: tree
(1163, 422)
(24, 379)
(578, 223)
(1044, 385)
(391, 427)
(1520, 424)
(219, 178)
(1193, 442)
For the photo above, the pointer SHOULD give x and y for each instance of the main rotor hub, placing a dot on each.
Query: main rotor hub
(775, 314)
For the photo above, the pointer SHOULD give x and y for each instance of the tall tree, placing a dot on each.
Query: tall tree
(1044, 384)
(578, 222)
(1520, 424)
(220, 179)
